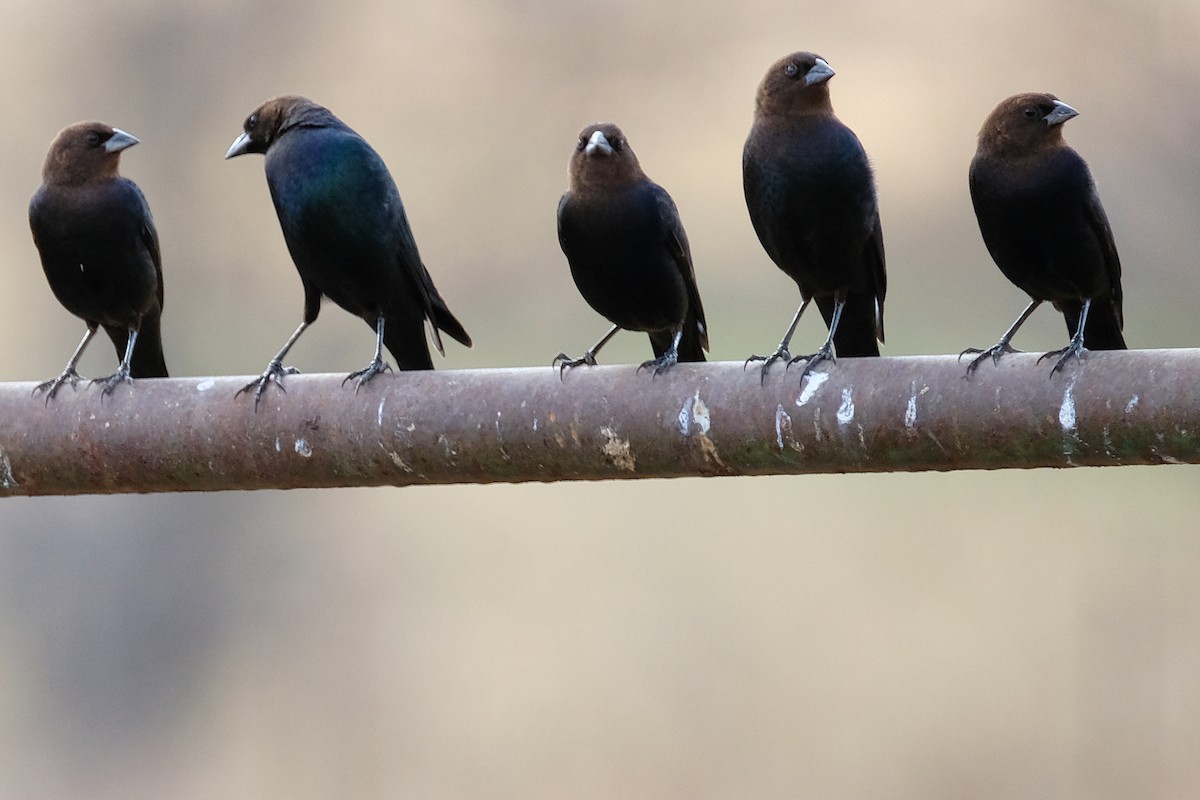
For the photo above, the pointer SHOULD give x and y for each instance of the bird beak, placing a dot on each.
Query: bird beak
(1061, 113)
(119, 141)
(820, 73)
(240, 146)
(598, 142)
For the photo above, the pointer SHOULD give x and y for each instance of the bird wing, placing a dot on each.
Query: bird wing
(677, 243)
(1098, 221)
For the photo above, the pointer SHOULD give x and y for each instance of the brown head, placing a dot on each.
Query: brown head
(795, 85)
(1025, 125)
(268, 121)
(85, 151)
(603, 157)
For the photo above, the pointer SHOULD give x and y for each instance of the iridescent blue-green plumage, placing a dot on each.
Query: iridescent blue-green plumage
(345, 227)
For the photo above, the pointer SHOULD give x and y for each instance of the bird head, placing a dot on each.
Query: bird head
(796, 84)
(268, 121)
(1025, 123)
(85, 151)
(603, 156)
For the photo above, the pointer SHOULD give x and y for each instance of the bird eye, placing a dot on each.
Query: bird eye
(617, 143)
(93, 138)
(251, 121)
(1030, 112)
(791, 70)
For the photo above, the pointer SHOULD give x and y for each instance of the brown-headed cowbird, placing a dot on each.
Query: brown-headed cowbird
(1043, 224)
(628, 252)
(811, 197)
(347, 232)
(99, 250)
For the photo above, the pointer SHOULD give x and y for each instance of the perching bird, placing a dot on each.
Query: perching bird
(99, 250)
(1042, 221)
(628, 252)
(347, 232)
(811, 197)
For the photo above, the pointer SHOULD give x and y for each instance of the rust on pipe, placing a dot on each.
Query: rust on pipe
(515, 425)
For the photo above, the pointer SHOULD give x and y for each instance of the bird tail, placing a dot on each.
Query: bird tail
(444, 320)
(694, 341)
(1103, 331)
(858, 333)
(147, 360)
(404, 337)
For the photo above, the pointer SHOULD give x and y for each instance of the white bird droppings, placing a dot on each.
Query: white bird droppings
(783, 423)
(814, 382)
(1132, 404)
(845, 412)
(1066, 412)
(205, 385)
(910, 413)
(303, 448)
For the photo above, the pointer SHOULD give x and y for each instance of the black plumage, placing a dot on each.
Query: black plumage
(99, 250)
(1042, 222)
(346, 230)
(811, 196)
(628, 252)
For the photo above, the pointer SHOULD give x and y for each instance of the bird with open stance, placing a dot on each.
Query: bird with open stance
(811, 196)
(99, 249)
(1042, 222)
(347, 232)
(628, 252)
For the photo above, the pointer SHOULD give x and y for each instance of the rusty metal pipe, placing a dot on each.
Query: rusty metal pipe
(515, 425)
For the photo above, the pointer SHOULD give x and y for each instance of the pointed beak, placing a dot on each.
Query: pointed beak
(598, 143)
(1061, 113)
(240, 145)
(119, 141)
(820, 73)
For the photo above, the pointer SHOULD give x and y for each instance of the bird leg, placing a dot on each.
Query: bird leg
(68, 375)
(826, 351)
(275, 370)
(781, 352)
(563, 361)
(122, 373)
(1075, 348)
(377, 364)
(666, 360)
(1001, 347)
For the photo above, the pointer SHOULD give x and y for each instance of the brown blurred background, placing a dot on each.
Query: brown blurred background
(987, 635)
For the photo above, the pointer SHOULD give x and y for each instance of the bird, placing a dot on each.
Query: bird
(347, 232)
(99, 249)
(1043, 224)
(811, 196)
(628, 252)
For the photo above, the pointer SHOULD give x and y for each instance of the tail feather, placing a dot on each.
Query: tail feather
(147, 360)
(857, 333)
(1103, 331)
(404, 337)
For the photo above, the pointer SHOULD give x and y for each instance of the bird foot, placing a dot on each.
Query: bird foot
(994, 352)
(1074, 349)
(824, 354)
(781, 354)
(565, 362)
(69, 376)
(113, 381)
(272, 374)
(661, 364)
(376, 367)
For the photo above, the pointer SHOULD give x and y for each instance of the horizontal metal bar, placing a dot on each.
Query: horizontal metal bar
(515, 425)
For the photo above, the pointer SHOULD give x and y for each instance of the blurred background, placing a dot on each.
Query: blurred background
(973, 635)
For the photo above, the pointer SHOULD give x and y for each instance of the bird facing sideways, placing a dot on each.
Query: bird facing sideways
(1042, 222)
(99, 250)
(346, 230)
(811, 197)
(628, 252)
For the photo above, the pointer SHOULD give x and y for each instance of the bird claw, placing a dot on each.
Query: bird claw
(565, 362)
(272, 374)
(376, 367)
(69, 376)
(994, 352)
(1074, 349)
(824, 354)
(114, 380)
(661, 364)
(780, 354)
